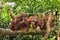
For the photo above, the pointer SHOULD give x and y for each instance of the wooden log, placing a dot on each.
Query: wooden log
(10, 32)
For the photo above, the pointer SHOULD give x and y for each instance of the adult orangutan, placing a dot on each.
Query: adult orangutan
(20, 22)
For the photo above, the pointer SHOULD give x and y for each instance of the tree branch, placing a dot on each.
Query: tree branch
(48, 28)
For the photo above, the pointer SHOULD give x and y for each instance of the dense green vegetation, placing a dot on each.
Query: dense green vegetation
(31, 7)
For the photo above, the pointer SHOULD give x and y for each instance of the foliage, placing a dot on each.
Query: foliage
(31, 7)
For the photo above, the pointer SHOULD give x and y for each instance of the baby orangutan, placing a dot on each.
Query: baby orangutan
(36, 21)
(52, 19)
